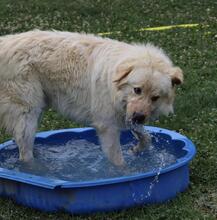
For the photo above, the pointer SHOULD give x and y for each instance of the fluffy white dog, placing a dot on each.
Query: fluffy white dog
(102, 82)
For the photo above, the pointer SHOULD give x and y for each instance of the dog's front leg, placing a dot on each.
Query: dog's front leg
(110, 142)
(143, 137)
(143, 141)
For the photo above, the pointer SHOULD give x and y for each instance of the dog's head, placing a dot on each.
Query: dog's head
(145, 85)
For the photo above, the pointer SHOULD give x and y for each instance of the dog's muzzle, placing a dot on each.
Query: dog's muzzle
(138, 118)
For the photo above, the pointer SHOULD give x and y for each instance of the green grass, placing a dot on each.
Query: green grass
(193, 49)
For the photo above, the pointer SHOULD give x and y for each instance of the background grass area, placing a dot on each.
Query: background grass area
(193, 49)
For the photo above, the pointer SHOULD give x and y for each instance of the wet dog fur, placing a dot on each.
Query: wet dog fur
(92, 80)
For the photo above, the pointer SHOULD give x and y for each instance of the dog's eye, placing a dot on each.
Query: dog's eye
(137, 90)
(155, 98)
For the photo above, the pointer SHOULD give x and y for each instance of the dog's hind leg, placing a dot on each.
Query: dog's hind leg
(24, 133)
(21, 103)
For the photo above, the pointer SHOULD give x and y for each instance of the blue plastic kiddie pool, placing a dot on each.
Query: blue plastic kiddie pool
(48, 194)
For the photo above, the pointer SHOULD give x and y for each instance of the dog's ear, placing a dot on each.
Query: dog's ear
(176, 76)
(122, 71)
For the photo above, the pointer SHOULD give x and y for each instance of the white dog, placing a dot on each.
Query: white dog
(106, 83)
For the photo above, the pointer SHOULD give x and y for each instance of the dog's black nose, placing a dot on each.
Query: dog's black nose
(138, 118)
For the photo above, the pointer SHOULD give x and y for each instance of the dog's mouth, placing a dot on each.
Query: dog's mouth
(135, 119)
(135, 122)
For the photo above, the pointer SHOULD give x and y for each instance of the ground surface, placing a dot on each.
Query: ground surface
(193, 49)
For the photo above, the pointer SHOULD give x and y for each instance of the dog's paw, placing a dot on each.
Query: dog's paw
(119, 161)
(135, 149)
(140, 146)
(26, 157)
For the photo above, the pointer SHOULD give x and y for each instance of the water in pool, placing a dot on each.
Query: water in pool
(79, 160)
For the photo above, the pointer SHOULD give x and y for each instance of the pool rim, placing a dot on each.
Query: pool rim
(56, 183)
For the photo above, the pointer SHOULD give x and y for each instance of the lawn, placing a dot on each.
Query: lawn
(194, 49)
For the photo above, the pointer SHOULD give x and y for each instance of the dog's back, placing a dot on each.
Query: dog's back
(44, 66)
